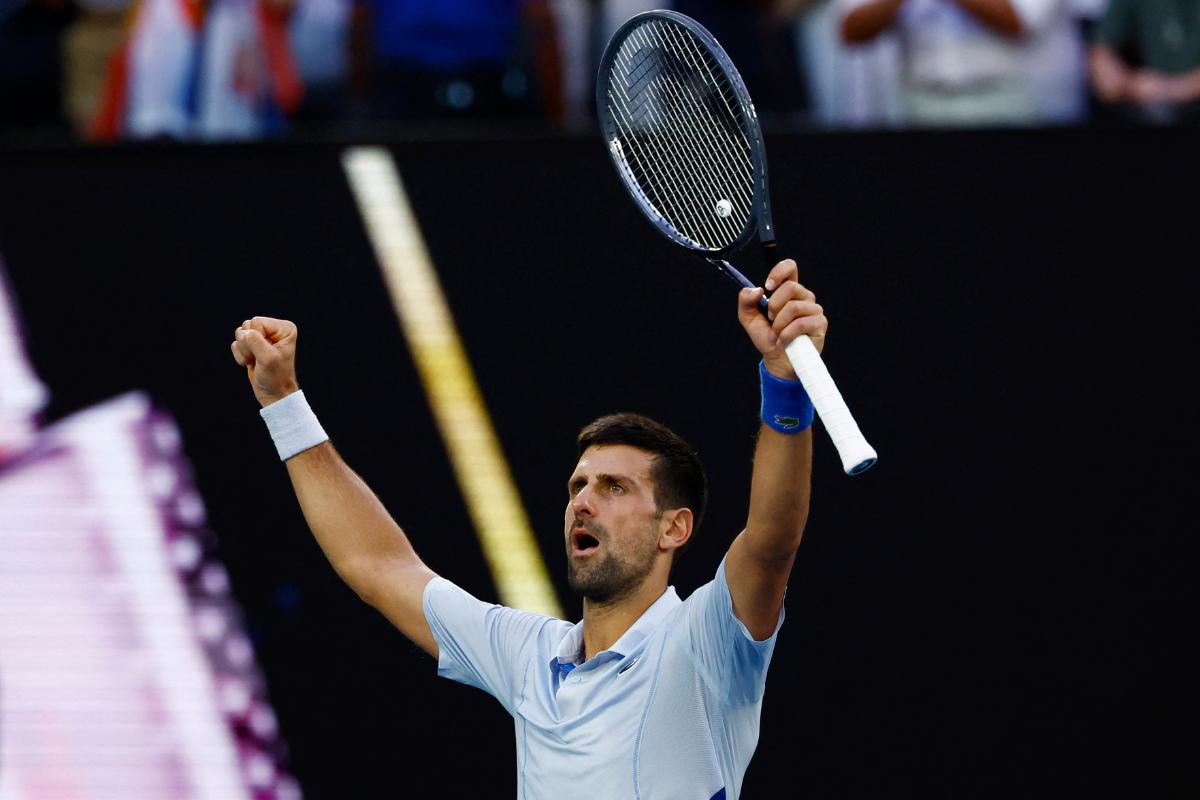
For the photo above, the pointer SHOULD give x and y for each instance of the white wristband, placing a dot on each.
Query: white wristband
(293, 425)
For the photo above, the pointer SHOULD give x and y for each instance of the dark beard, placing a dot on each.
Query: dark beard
(607, 579)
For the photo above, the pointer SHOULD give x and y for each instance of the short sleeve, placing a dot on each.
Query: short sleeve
(481, 644)
(722, 648)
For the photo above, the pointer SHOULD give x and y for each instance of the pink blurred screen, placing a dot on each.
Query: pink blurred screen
(125, 670)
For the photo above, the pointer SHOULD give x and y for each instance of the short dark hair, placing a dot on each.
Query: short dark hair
(678, 474)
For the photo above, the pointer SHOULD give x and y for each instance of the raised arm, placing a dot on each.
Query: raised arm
(363, 543)
(760, 559)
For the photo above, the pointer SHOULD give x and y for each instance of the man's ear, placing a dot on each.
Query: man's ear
(676, 530)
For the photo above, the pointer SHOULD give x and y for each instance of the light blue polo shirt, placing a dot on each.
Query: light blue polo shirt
(669, 712)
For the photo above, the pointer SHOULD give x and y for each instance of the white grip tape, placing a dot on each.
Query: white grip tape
(851, 445)
(293, 425)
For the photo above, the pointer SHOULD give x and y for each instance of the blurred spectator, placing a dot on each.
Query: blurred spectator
(87, 47)
(1146, 59)
(454, 58)
(247, 80)
(847, 86)
(583, 28)
(150, 86)
(967, 62)
(30, 66)
(1057, 62)
(758, 38)
(319, 31)
(184, 72)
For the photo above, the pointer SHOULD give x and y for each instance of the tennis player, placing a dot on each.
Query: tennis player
(650, 696)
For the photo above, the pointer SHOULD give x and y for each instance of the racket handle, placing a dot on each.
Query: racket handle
(857, 456)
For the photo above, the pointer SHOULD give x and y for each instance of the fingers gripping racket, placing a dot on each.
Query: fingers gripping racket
(683, 135)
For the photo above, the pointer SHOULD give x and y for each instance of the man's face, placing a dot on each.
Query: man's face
(612, 522)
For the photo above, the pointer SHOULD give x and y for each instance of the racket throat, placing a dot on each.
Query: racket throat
(770, 253)
(731, 272)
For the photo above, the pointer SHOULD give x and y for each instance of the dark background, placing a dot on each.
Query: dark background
(1005, 605)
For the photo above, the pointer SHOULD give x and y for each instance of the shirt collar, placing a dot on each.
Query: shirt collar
(570, 647)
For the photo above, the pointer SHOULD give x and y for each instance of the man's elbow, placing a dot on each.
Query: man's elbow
(358, 577)
(774, 546)
(375, 579)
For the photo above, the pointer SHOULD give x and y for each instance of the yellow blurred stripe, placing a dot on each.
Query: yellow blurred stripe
(479, 465)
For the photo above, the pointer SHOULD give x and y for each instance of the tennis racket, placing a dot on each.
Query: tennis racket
(683, 134)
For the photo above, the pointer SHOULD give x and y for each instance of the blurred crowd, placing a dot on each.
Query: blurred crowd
(246, 69)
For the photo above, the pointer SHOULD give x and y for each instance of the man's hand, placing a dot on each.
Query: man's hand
(266, 347)
(792, 311)
(1110, 75)
(1150, 87)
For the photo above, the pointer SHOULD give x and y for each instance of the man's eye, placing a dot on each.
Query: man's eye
(616, 488)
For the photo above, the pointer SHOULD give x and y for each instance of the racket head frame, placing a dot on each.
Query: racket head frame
(760, 221)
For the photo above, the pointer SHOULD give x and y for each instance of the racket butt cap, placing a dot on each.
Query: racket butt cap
(862, 466)
(859, 460)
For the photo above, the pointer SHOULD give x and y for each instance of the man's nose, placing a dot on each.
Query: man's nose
(582, 503)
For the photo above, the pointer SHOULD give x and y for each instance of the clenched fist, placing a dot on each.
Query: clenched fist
(266, 347)
(792, 311)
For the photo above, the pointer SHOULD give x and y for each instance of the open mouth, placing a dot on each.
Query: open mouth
(583, 542)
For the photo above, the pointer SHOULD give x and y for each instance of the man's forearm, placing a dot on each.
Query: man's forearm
(352, 527)
(779, 493)
(761, 557)
(1109, 73)
(362, 541)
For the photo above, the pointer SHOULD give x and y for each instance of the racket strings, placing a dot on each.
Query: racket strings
(739, 198)
(656, 165)
(685, 48)
(721, 124)
(659, 161)
(679, 88)
(678, 134)
(728, 121)
(651, 175)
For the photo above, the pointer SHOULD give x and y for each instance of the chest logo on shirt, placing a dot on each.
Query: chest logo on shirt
(628, 666)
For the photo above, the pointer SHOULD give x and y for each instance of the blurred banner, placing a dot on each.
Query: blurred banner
(125, 670)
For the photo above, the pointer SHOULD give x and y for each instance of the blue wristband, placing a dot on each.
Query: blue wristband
(785, 405)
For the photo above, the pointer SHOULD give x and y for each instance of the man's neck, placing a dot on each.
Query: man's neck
(605, 623)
